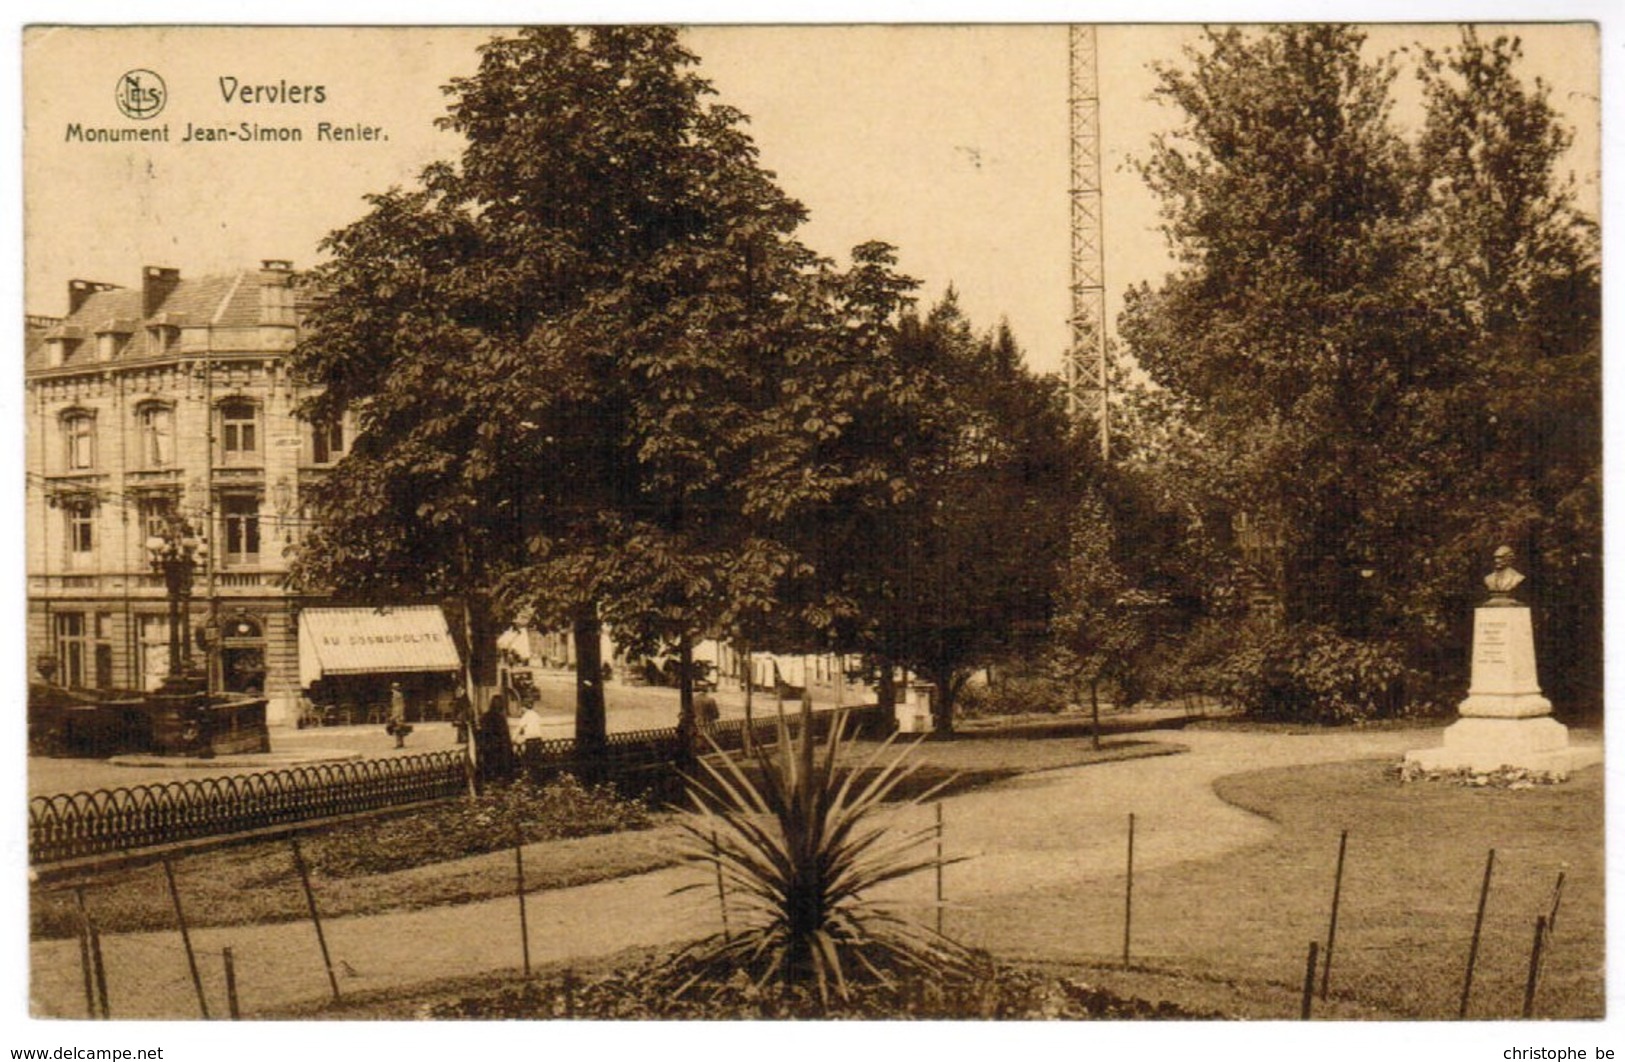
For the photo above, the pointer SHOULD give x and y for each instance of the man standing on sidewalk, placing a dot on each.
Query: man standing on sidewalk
(529, 737)
(397, 726)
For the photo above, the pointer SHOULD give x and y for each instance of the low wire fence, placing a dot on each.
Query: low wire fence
(129, 818)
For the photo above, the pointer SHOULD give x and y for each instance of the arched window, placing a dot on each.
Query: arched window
(155, 429)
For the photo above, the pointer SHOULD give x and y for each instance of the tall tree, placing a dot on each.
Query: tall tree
(1515, 266)
(1389, 349)
(948, 564)
(560, 351)
(1285, 198)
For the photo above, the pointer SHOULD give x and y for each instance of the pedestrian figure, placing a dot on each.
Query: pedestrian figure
(494, 745)
(529, 737)
(397, 727)
(462, 716)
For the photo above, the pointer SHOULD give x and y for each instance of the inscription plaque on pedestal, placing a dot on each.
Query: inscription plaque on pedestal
(1504, 684)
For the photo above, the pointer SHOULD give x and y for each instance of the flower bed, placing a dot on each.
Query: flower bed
(994, 993)
(496, 819)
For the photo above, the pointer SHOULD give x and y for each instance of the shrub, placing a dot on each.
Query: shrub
(1012, 695)
(798, 847)
(1312, 674)
(1193, 665)
(457, 828)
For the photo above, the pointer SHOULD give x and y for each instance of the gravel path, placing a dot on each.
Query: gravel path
(1039, 830)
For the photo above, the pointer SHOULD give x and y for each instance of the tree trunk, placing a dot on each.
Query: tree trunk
(1094, 712)
(592, 724)
(749, 736)
(480, 644)
(886, 687)
(942, 702)
(687, 730)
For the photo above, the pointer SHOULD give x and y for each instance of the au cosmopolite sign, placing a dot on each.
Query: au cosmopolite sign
(387, 638)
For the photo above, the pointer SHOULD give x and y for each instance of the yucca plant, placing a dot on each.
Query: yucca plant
(800, 850)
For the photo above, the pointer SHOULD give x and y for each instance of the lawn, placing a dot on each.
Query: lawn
(1233, 933)
(1226, 935)
(258, 882)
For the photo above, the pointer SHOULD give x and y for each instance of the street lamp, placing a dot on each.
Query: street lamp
(175, 552)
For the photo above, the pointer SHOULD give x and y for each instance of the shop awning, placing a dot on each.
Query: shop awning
(365, 641)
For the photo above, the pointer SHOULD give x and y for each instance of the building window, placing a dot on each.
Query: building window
(153, 635)
(156, 425)
(241, 516)
(161, 339)
(81, 532)
(70, 648)
(156, 512)
(84, 649)
(79, 435)
(327, 441)
(110, 345)
(239, 432)
(103, 650)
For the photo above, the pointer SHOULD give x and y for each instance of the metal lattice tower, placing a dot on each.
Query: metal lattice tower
(1085, 370)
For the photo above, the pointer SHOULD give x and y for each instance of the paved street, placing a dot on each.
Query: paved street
(1039, 830)
(630, 708)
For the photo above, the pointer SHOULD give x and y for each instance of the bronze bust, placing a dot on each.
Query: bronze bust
(1503, 579)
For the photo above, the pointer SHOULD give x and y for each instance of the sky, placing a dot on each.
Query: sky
(948, 141)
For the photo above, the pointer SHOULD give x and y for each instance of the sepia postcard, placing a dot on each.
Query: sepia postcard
(1014, 523)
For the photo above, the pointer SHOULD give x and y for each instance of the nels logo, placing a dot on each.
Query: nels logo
(140, 94)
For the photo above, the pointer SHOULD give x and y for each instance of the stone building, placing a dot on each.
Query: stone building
(174, 398)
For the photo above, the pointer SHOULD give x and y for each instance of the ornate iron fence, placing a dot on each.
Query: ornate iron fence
(69, 826)
(104, 821)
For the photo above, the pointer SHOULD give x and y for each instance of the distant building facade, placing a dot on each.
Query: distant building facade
(143, 403)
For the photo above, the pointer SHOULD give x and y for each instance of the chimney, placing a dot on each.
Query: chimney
(276, 292)
(156, 284)
(80, 291)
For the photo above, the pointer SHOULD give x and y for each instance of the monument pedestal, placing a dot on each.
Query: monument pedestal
(1505, 722)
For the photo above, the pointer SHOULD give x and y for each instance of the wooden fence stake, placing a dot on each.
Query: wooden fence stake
(939, 868)
(519, 874)
(84, 952)
(1309, 981)
(231, 984)
(1557, 901)
(315, 918)
(101, 970)
(1478, 928)
(1331, 930)
(722, 889)
(1128, 892)
(186, 938)
(1534, 967)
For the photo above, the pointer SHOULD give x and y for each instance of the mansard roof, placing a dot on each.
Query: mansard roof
(231, 300)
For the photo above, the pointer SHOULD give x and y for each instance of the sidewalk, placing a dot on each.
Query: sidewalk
(630, 708)
(1017, 838)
